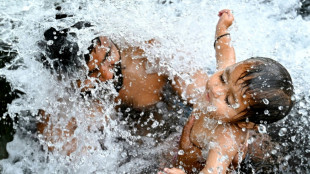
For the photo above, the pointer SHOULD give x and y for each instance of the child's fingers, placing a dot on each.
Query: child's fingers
(223, 11)
(185, 140)
(174, 171)
(99, 52)
(189, 125)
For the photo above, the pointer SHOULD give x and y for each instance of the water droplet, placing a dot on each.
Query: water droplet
(262, 129)
(50, 42)
(273, 151)
(235, 106)
(287, 157)
(71, 99)
(212, 132)
(211, 108)
(210, 170)
(250, 140)
(282, 132)
(219, 122)
(243, 129)
(266, 101)
(293, 138)
(293, 98)
(155, 124)
(180, 152)
(280, 108)
(266, 112)
(127, 110)
(124, 154)
(180, 111)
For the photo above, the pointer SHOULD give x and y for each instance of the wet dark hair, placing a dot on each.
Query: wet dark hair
(268, 86)
(61, 53)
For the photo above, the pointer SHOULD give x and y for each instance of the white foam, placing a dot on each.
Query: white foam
(185, 33)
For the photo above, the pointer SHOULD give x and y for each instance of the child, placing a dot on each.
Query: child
(236, 98)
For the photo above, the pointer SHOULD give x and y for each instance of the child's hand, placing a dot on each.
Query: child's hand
(226, 19)
(172, 171)
(185, 142)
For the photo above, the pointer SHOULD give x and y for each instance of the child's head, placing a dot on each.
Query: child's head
(61, 54)
(269, 89)
(258, 90)
(61, 57)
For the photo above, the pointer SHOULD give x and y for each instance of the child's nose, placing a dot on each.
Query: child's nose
(106, 73)
(218, 91)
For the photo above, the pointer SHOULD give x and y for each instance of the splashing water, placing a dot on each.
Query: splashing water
(185, 30)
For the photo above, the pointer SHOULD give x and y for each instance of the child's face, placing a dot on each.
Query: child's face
(224, 92)
(103, 60)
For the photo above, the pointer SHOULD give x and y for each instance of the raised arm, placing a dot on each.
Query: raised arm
(225, 56)
(225, 53)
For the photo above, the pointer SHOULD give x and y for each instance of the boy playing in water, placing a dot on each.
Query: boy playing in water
(236, 98)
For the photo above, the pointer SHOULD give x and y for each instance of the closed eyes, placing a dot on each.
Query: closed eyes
(223, 81)
(222, 78)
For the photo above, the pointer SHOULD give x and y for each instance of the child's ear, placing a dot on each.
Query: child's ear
(248, 125)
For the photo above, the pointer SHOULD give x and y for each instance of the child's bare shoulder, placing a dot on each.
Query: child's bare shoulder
(228, 134)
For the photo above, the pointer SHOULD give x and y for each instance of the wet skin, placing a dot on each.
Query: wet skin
(224, 92)
(139, 89)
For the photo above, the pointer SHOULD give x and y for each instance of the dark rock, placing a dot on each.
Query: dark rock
(304, 10)
(7, 95)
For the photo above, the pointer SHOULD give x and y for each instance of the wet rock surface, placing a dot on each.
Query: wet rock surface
(304, 10)
(7, 95)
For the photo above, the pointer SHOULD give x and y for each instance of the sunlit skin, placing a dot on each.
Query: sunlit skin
(223, 92)
(133, 71)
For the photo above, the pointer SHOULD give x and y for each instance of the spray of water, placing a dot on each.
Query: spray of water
(184, 34)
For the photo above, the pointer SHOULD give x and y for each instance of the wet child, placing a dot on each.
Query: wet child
(236, 99)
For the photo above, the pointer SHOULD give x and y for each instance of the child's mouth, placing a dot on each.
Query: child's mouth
(208, 96)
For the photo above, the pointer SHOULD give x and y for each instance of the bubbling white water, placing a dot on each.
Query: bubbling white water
(184, 33)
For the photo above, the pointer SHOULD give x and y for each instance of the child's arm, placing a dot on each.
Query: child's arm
(191, 154)
(227, 142)
(225, 53)
(225, 56)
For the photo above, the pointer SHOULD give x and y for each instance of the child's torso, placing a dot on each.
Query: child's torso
(203, 132)
(140, 89)
(206, 132)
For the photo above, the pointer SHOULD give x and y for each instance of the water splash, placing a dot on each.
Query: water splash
(184, 31)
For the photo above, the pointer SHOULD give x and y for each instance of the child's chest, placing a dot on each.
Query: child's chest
(139, 89)
(203, 132)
